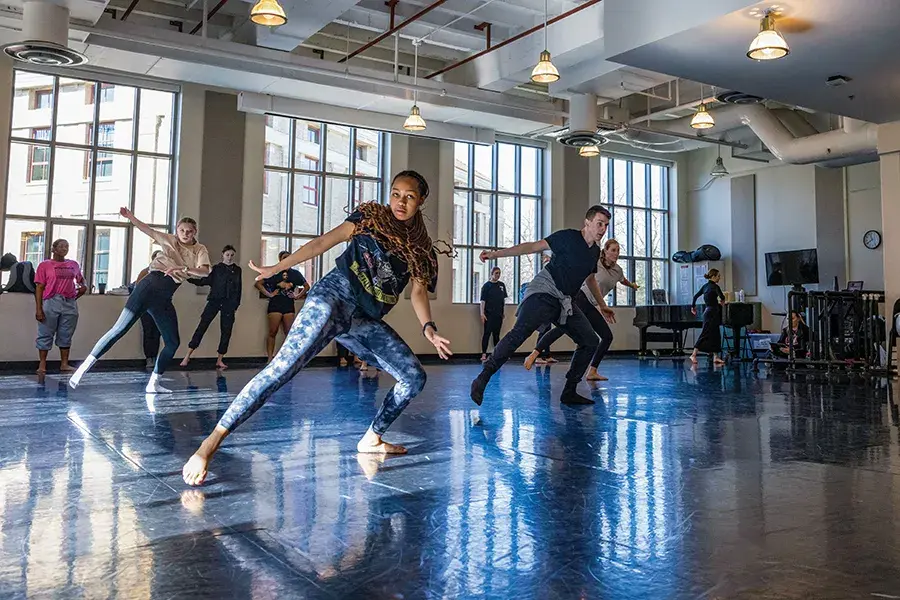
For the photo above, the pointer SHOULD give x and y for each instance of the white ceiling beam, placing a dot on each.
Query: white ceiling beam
(499, 13)
(457, 36)
(383, 52)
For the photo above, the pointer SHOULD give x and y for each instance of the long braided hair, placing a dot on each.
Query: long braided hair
(407, 239)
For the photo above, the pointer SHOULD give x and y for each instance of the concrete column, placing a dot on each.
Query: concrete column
(889, 150)
(6, 83)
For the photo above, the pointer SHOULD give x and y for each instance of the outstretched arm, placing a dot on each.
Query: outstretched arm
(141, 226)
(608, 313)
(318, 246)
(422, 306)
(526, 248)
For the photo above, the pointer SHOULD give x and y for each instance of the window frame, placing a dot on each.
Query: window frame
(93, 147)
(317, 133)
(472, 193)
(627, 257)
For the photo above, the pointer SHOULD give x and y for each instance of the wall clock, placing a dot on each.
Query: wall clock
(872, 239)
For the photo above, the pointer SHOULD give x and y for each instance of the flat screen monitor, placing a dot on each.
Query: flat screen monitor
(792, 267)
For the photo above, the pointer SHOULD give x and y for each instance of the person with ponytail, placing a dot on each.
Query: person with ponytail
(388, 246)
(710, 340)
(608, 274)
(182, 257)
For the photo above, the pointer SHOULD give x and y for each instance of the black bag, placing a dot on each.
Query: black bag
(682, 256)
(706, 252)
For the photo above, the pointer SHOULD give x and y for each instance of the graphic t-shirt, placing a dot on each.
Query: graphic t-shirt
(572, 261)
(377, 276)
(59, 277)
(285, 283)
(176, 254)
(493, 295)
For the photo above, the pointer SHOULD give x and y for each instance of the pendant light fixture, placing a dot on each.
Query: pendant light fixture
(589, 151)
(719, 170)
(544, 71)
(768, 43)
(415, 122)
(702, 118)
(268, 13)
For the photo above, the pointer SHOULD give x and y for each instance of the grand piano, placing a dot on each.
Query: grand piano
(677, 319)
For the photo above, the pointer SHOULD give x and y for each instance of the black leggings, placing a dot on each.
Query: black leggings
(226, 324)
(536, 310)
(153, 294)
(149, 336)
(601, 327)
(492, 325)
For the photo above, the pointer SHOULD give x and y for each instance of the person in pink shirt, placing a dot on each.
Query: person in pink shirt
(58, 284)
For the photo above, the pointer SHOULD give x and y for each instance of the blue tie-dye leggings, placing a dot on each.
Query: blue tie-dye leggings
(329, 312)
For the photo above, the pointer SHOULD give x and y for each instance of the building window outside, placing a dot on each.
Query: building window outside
(497, 203)
(637, 195)
(72, 165)
(312, 183)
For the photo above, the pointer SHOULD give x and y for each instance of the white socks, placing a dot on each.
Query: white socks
(85, 366)
(154, 387)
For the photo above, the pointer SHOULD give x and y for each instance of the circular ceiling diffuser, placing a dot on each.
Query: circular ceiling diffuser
(738, 98)
(44, 53)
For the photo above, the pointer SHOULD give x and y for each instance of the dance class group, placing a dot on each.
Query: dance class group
(388, 248)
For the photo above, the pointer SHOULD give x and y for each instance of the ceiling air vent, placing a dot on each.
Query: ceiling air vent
(45, 31)
(738, 98)
(582, 123)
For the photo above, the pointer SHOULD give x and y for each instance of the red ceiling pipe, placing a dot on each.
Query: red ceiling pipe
(514, 38)
(403, 24)
(486, 28)
(209, 15)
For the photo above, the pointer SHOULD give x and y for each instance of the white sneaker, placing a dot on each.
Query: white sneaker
(154, 387)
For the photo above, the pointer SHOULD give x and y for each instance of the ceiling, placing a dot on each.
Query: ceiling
(859, 40)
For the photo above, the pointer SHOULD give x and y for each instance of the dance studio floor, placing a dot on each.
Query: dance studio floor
(676, 484)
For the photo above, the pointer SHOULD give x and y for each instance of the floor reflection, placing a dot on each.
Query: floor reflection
(677, 483)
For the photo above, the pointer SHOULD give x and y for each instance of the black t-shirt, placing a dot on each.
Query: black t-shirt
(377, 276)
(493, 296)
(285, 283)
(572, 261)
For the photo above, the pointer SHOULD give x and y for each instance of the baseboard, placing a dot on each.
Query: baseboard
(250, 362)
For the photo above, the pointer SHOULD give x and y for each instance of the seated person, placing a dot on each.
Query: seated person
(21, 274)
(800, 333)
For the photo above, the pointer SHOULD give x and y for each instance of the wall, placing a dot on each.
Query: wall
(797, 206)
(864, 214)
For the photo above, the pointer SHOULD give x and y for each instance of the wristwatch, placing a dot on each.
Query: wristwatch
(427, 325)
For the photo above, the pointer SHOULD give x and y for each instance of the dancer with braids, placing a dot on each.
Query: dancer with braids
(609, 273)
(548, 299)
(388, 247)
(182, 257)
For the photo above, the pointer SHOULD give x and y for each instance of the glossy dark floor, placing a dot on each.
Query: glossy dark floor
(676, 484)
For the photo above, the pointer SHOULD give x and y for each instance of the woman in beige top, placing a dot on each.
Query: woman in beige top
(608, 274)
(182, 256)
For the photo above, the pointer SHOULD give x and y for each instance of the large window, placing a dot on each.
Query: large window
(315, 174)
(74, 161)
(637, 195)
(497, 203)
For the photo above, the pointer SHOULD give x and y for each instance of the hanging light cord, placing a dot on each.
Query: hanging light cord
(545, 24)
(416, 72)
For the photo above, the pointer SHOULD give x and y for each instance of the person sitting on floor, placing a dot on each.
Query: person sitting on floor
(800, 341)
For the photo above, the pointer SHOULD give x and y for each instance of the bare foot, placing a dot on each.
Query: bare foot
(529, 361)
(221, 365)
(371, 443)
(42, 369)
(364, 366)
(195, 469)
(718, 361)
(484, 358)
(193, 501)
(66, 368)
(185, 361)
(550, 360)
(593, 375)
(694, 358)
(343, 362)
